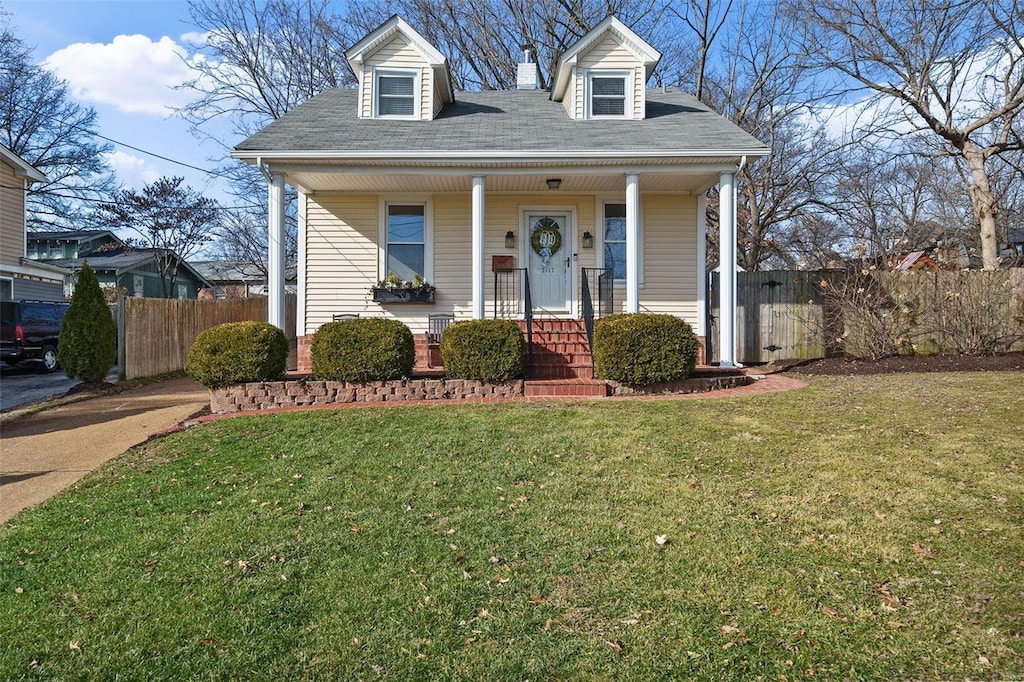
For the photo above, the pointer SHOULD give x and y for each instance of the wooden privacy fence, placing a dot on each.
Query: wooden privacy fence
(155, 333)
(785, 314)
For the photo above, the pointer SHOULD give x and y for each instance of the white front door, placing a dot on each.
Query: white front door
(549, 253)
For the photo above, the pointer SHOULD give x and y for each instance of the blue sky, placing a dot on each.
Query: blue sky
(122, 58)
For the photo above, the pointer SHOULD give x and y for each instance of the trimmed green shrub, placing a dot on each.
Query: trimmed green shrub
(237, 353)
(484, 350)
(644, 348)
(362, 349)
(87, 345)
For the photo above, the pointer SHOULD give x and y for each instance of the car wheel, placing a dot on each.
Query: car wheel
(49, 358)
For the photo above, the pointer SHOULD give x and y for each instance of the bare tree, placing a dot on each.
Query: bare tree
(762, 85)
(40, 123)
(261, 59)
(705, 19)
(953, 68)
(175, 221)
(258, 61)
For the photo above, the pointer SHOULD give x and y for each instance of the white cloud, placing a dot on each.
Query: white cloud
(195, 39)
(132, 72)
(132, 171)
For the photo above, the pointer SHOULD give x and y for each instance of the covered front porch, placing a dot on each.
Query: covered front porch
(570, 241)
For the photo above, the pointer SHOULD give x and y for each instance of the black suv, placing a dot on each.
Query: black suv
(29, 330)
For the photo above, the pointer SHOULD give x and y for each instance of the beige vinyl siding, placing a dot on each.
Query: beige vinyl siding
(453, 255)
(504, 212)
(669, 254)
(439, 96)
(453, 273)
(12, 216)
(610, 55)
(341, 253)
(398, 53)
(573, 98)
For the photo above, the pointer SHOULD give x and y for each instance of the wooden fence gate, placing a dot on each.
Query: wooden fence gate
(782, 314)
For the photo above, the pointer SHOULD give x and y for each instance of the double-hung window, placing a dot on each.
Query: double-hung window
(406, 245)
(395, 94)
(614, 239)
(608, 93)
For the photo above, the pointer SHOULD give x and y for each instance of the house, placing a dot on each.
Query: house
(521, 204)
(240, 279)
(21, 278)
(137, 272)
(1014, 251)
(70, 244)
(117, 264)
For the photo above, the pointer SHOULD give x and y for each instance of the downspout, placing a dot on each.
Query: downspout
(270, 178)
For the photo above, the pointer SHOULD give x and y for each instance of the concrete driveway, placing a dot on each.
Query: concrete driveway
(44, 453)
(24, 384)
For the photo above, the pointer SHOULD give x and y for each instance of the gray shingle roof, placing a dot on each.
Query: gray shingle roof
(69, 235)
(507, 120)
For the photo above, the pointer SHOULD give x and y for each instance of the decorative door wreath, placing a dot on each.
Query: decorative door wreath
(546, 239)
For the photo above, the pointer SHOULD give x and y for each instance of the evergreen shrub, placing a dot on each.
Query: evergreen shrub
(87, 344)
(484, 350)
(238, 353)
(644, 348)
(362, 349)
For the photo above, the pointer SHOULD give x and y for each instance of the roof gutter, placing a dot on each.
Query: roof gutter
(494, 156)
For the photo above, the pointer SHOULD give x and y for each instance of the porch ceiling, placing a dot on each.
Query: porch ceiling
(315, 181)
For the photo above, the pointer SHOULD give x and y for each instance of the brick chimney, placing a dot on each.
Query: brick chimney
(526, 76)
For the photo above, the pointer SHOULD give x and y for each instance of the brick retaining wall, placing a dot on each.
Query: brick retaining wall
(265, 395)
(692, 385)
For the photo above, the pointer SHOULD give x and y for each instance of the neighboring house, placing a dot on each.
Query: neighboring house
(1014, 251)
(116, 264)
(406, 176)
(239, 279)
(21, 278)
(70, 244)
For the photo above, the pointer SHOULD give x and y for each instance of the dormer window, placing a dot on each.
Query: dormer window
(608, 93)
(395, 94)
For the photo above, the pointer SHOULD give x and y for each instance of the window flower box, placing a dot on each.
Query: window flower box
(394, 289)
(382, 295)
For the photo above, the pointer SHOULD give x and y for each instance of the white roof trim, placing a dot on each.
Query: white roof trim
(383, 34)
(22, 168)
(611, 24)
(499, 156)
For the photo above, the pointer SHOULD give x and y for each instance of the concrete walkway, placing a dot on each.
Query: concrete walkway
(42, 454)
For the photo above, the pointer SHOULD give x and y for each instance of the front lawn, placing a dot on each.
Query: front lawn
(863, 528)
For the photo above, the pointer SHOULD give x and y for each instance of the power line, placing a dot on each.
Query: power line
(103, 201)
(81, 126)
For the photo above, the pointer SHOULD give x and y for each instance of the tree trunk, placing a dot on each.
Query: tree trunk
(985, 207)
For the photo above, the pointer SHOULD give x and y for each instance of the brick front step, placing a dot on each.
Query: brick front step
(560, 350)
(581, 388)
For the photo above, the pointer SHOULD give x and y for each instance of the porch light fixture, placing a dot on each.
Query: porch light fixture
(554, 183)
(510, 240)
(588, 240)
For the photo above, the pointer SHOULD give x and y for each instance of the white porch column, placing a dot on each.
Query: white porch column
(702, 265)
(300, 275)
(478, 247)
(275, 252)
(632, 243)
(727, 270)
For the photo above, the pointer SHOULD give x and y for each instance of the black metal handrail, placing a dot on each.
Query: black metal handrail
(588, 308)
(510, 287)
(528, 301)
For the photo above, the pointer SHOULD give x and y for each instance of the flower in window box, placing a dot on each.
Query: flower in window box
(394, 289)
